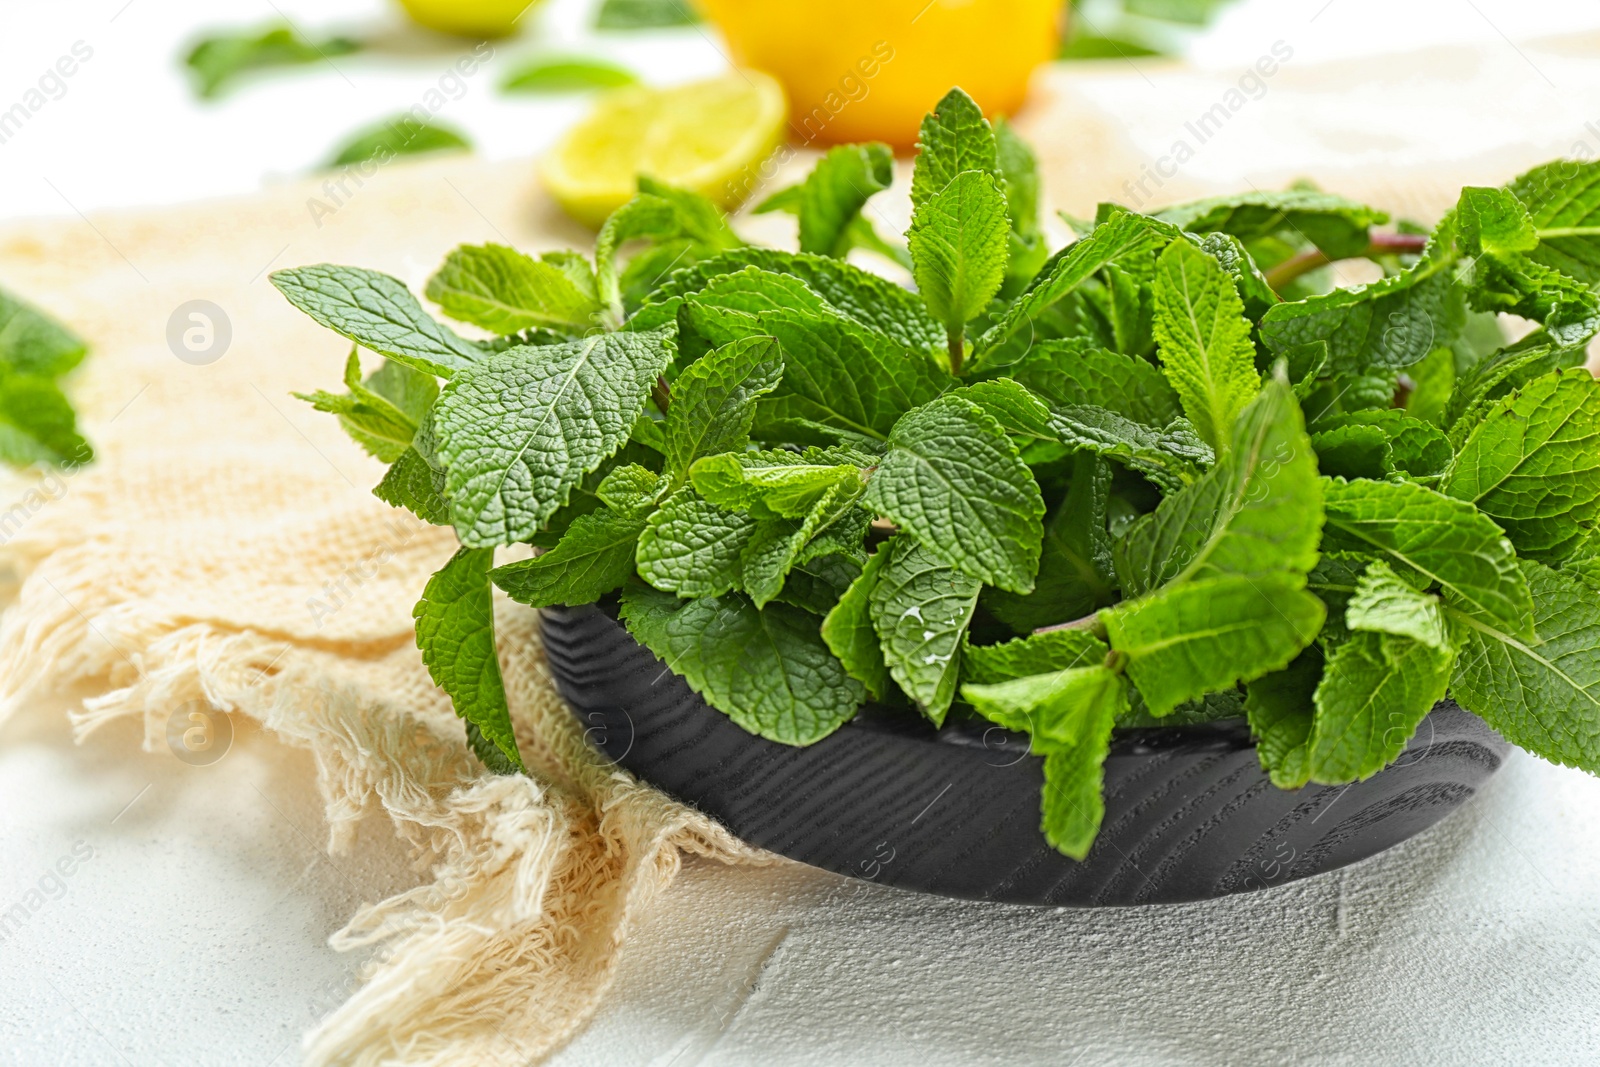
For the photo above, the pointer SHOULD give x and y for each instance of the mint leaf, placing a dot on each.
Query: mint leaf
(699, 219)
(504, 290)
(518, 430)
(1446, 541)
(566, 74)
(630, 487)
(1281, 710)
(955, 137)
(1076, 574)
(217, 61)
(953, 480)
(958, 251)
(1170, 458)
(1382, 602)
(37, 423)
(455, 631)
(1386, 324)
(849, 632)
(1204, 338)
(382, 412)
(778, 544)
(693, 548)
(832, 196)
(1563, 202)
(1070, 714)
(1541, 694)
(377, 312)
(1197, 637)
(1078, 372)
(593, 557)
(1375, 690)
(399, 135)
(1405, 444)
(645, 14)
(1258, 510)
(1124, 237)
(1041, 653)
(776, 483)
(1018, 169)
(1337, 226)
(857, 294)
(838, 375)
(714, 401)
(411, 483)
(1501, 372)
(32, 342)
(1532, 466)
(766, 668)
(1493, 222)
(921, 608)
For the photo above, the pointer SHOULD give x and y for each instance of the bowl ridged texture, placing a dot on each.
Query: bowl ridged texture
(1189, 813)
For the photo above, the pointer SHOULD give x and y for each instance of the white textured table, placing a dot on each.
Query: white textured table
(192, 926)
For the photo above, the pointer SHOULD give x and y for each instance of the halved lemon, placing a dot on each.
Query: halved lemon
(709, 136)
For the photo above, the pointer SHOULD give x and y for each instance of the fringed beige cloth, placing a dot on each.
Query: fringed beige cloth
(225, 547)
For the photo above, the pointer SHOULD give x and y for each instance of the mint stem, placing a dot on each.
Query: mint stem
(1380, 244)
(1091, 623)
(957, 339)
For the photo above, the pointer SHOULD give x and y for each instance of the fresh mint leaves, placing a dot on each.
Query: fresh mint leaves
(1192, 480)
(37, 421)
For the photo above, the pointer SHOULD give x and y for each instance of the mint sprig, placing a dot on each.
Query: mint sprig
(1193, 480)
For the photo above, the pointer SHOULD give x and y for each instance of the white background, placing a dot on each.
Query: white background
(196, 932)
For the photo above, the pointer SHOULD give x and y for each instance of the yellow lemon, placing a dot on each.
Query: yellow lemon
(706, 136)
(468, 18)
(867, 70)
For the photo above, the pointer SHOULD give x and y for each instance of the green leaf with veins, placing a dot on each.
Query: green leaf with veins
(379, 313)
(699, 219)
(413, 484)
(955, 137)
(505, 291)
(382, 413)
(631, 487)
(1204, 339)
(778, 543)
(1383, 602)
(1196, 637)
(1076, 574)
(766, 668)
(519, 430)
(850, 634)
(958, 248)
(921, 608)
(838, 187)
(1533, 464)
(1417, 448)
(840, 379)
(1498, 374)
(955, 482)
(1446, 541)
(1375, 690)
(1493, 222)
(594, 556)
(1541, 694)
(218, 60)
(1040, 653)
(1390, 323)
(1018, 170)
(1124, 238)
(714, 401)
(1281, 712)
(31, 342)
(1337, 226)
(455, 631)
(398, 135)
(692, 547)
(1258, 510)
(777, 483)
(1563, 201)
(1171, 458)
(859, 295)
(1046, 706)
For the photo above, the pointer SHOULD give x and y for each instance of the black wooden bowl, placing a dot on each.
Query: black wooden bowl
(1189, 813)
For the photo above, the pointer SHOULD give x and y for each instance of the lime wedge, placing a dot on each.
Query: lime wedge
(707, 136)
